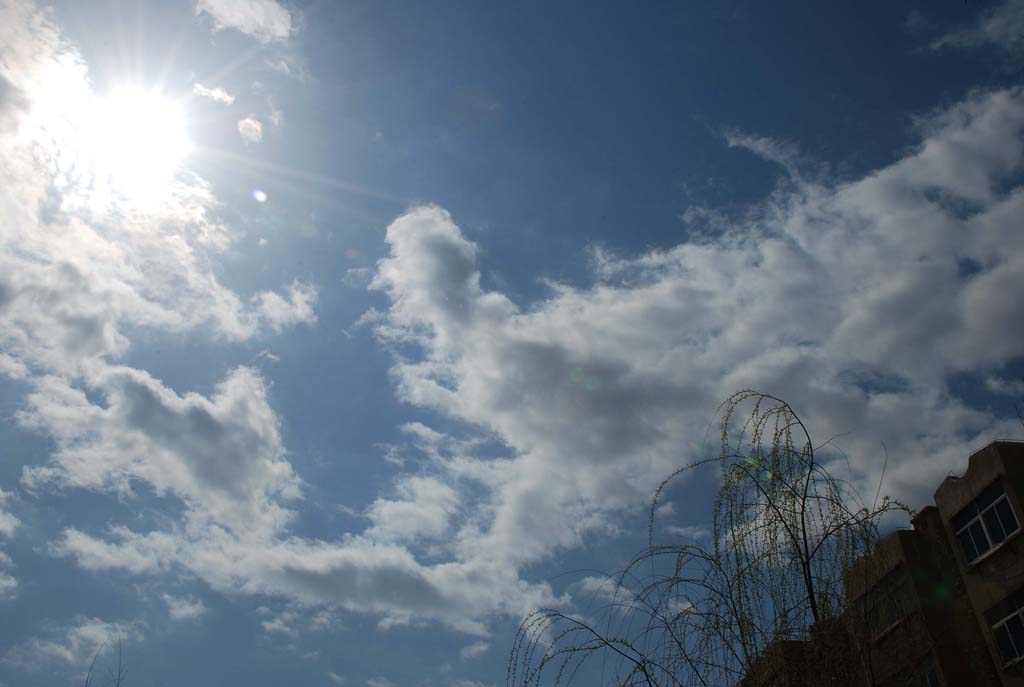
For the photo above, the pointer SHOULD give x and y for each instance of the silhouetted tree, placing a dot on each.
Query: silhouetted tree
(784, 533)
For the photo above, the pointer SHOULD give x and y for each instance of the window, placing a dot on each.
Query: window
(1007, 621)
(1009, 634)
(986, 522)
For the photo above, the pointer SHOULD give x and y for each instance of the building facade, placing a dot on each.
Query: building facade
(939, 605)
(981, 513)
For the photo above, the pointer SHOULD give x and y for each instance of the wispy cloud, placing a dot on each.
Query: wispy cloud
(264, 20)
(218, 94)
(474, 650)
(72, 647)
(1001, 26)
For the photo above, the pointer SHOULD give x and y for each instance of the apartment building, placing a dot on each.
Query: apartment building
(912, 614)
(981, 513)
(939, 605)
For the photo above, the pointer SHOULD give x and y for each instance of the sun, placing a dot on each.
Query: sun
(135, 141)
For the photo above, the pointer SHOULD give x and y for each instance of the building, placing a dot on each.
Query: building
(941, 604)
(981, 512)
(917, 624)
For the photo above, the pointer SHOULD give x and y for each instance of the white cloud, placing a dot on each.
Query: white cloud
(8, 583)
(280, 312)
(182, 609)
(422, 511)
(282, 624)
(1001, 26)
(222, 456)
(379, 682)
(264, 20)
(8, 523)
(826, 295)
(335, 678)
(250, 129)
(73, 646)
(12, 367)
(474, 650)
(125, 550)
(217, 94)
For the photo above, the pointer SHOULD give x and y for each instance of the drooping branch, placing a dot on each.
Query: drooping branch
(784, 533)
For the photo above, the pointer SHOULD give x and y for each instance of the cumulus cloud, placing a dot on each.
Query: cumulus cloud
(183, 609)
(1001, 26)
(250, 129)
(216, 94)
(73, 646)
(264, 20)
(280, 312)
(825, 294)
(222, 456)
(123, 549)
(422, 510)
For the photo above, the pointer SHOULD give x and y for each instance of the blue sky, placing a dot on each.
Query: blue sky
(336, 337)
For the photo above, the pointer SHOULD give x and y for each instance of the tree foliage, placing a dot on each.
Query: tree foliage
(785, 531)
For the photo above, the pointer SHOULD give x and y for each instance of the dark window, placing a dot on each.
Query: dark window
(1009, 630)
(986, 522)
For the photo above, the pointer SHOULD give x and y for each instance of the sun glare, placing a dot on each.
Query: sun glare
(135, 140)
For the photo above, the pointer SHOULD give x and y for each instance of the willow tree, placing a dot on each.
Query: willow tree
(784, 533)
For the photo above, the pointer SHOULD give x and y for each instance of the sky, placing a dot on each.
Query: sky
(336, 337)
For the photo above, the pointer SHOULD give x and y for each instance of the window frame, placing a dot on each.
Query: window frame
(1002, 623)
(980, 518)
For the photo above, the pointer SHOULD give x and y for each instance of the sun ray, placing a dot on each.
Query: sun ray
(284, 171)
